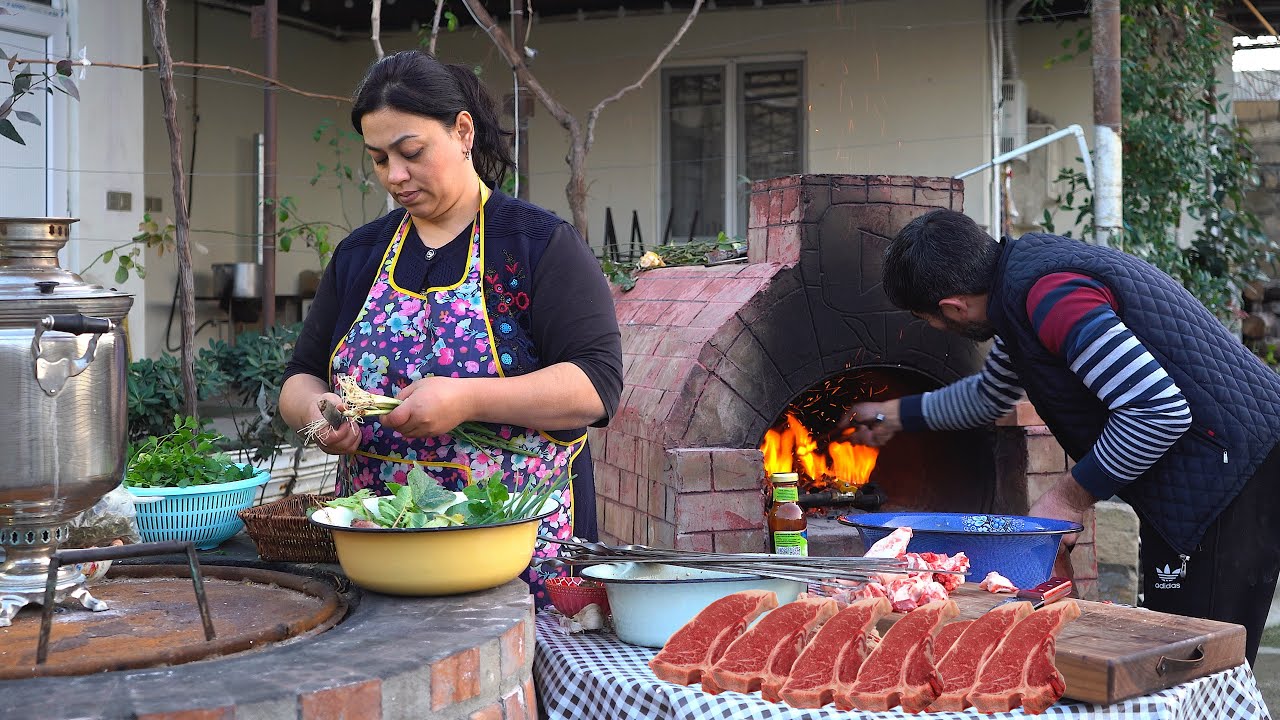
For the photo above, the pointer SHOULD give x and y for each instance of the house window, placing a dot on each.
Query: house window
(725, 127)
(30, 183)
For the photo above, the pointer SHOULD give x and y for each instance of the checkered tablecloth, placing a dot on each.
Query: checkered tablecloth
(595, 676)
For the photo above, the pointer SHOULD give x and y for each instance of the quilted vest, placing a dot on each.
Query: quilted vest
(1234, 397)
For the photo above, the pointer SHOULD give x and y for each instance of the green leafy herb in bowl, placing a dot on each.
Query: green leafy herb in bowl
(187, 456)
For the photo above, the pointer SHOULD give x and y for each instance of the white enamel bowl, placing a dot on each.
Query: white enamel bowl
(651, 601)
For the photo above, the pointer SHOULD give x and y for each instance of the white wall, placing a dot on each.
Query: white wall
(107, 132)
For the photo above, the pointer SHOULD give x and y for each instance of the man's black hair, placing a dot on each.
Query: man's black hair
(938, 255)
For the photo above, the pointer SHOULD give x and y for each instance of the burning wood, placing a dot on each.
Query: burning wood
(839, 466)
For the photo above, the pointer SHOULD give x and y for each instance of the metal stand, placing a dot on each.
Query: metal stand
(71, 557)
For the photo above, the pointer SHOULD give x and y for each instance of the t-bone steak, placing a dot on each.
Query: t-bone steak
(900, 670)
(1021, 671)
(777, 637)
(835, 654)
(696, 646)
(958, 668)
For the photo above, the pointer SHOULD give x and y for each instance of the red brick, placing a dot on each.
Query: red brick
(673, 498)
(693, 470)
(607, 479)
(784, 181)
(512, 652)
(627, 489)
(784, 244)
(733, 469)
(697, 542)
(758, 215)
(662, 534)
(848, 194)
(936, 198)
(902, 195)
(715, 314)
(513, 705)
(657, 505)
(1022, 415)
(757, 245)
(736, 510)
(619, 521)
(455, 678)
(878, 193)
(907, 180)
(1084, 561)
(775, 206)
(221, 713)
(900, 215)
(490, 712)
(622, 448)
(642, 495)
(1045, 455)
(358, 701)
(791, 206)
(530, 695)
(740, 541)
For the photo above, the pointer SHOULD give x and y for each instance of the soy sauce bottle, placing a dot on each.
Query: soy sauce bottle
(788, 530)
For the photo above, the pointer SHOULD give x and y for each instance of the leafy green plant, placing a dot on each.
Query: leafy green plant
(184, 457)
(29, 82)
(253, 369)
(155, 391)
(424, 503)
(345, 175)
(1182, 154)
(128, 255)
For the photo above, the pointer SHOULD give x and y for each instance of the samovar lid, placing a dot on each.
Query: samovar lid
(33, 284)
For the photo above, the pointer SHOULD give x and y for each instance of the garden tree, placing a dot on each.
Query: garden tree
(580, 138)
(1183, 153)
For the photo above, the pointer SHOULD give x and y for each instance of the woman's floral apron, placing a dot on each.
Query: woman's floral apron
(402, 336)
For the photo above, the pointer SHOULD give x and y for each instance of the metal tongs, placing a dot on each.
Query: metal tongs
(817, 570)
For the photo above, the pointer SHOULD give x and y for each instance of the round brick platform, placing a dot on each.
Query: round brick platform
(466, 657)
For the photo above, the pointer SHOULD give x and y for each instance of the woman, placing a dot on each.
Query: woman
(466, 305)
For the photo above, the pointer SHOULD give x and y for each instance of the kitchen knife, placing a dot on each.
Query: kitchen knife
(1050, 590)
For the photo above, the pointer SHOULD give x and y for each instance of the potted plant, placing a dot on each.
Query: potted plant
(197, 490)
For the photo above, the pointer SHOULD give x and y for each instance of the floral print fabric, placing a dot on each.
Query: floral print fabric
(400, 337)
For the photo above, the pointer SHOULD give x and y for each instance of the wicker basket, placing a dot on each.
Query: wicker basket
(282, 533)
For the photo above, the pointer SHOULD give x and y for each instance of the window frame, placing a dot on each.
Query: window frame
(731, 69)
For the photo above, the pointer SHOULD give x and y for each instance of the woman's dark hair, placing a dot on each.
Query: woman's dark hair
(414, 82)
(938, 255)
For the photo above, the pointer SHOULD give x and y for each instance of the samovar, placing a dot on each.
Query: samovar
(63, 407)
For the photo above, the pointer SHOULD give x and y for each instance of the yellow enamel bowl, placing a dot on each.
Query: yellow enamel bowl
(434, 561)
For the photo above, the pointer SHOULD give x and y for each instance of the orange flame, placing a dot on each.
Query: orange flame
(793, 449)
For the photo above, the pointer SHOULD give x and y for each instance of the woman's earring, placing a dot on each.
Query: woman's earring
(466, 154)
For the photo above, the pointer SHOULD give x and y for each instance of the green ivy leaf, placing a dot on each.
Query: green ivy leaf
(122, 274)
(8, 130)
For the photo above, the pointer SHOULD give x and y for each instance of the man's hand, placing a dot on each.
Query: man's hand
(429, 407)
(875, 423)
(1064, 500)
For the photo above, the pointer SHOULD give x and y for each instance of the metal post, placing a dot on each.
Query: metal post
(1107, 209)
(270, 34)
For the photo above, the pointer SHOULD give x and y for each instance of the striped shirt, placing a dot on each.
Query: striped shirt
(1074, 317)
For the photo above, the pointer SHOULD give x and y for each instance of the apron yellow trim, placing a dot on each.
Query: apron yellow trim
(477, 228)
(424, 463)
(562, 443)
(364, 306)
(484, 304)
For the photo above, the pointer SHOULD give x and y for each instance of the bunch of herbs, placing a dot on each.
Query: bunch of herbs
(185, 457)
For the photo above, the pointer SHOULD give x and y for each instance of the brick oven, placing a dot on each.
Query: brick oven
(720, 361)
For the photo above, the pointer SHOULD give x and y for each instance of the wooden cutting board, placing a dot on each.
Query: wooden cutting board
(1112, 653)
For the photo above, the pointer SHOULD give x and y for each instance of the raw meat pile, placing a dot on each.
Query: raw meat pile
(908, 591)
(808, 655)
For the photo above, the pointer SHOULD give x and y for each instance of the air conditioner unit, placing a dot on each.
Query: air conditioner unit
(1013, 115)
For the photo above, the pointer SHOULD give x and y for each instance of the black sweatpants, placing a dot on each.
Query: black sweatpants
(1231, 575)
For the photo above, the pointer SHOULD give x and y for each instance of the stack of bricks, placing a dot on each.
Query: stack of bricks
(1032, 451)
(712, 355)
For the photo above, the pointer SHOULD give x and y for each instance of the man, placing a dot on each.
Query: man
(1141, 385)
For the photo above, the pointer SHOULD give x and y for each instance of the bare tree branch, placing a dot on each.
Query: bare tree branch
(435, 28)
(594, 115)
(156, 9)
(375, 22)
(202, 66)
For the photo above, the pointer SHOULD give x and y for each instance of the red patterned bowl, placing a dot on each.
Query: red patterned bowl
(571, 594)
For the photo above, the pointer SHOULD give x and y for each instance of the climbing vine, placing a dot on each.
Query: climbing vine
(1184, 156)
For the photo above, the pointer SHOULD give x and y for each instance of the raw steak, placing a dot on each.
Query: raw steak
(947, 637)
(834, 655)
(769, 647)
(694, 648)
(958, 669)
(1022, 671)
(900, 670)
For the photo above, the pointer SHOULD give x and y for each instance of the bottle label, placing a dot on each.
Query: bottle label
(786, 494)
(791, 542)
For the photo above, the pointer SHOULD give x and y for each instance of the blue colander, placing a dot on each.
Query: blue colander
(1020, 548)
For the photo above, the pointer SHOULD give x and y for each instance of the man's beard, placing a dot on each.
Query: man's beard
(976, 331)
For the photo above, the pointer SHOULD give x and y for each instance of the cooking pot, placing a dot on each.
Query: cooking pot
(63, 357)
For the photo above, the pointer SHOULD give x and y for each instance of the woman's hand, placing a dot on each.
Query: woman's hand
(335, 441)
(431, 406)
